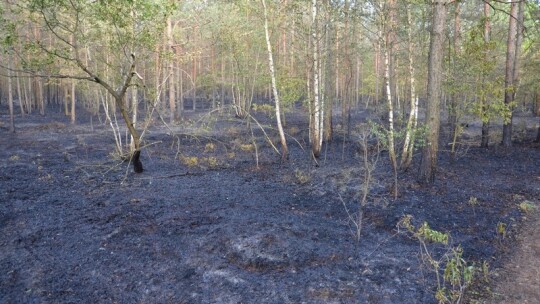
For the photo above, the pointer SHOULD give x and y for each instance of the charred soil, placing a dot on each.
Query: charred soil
(205, 224)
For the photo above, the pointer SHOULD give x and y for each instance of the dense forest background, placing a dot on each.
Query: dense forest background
(463, 60)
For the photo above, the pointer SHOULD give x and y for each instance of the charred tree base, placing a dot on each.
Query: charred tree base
(136, 161)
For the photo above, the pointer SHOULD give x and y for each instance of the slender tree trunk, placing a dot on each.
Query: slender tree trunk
(284, 148)
(40, 97)
(171, 81)
(10, 98)
(428, 165)
(194, 79)
(28, 95)
(453, 115)
(509, 84)
(484, 143)
(329, 89)
(408, 145)
(19, 96)
(316, 108)
(134, 107)
(537, 99)
(391, 145)
(73, 116)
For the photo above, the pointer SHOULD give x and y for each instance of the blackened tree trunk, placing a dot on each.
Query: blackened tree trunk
(428, 165)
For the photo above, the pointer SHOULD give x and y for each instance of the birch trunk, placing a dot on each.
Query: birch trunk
(284, 148)
(408, 145)
(316, 137)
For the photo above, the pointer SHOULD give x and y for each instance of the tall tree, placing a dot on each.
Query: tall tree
(408, 144)
(10, 98)
(428, 165)
(317, 104)
(509, 84)
(284, 148)
(484, 106)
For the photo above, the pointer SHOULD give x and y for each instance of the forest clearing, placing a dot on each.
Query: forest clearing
(374, 151)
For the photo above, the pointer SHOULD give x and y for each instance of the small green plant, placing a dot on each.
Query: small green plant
(209, 147)
(501, 229)
(212, 162)
(301, 176)
(485, 271)
(190, 161)
(473, 201)
(14, 158)
(453, 273)
(247, 147)
(527, 207)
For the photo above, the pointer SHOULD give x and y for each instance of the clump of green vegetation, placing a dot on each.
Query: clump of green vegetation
(501, 229)
(190, 161)
(473, 201)
(527, 207)
(453, 273)
(247, 147)
(211, 161)
(302, 177)
(14, 158)
(209, 147)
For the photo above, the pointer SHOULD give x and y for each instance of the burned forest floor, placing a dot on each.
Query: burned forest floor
(217, 217)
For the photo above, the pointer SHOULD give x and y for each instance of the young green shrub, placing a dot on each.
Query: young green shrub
(453, 273)
(190, 161)
(527, 207)
(209, 147)
(302, 177)
(15, 158)
(247, 147)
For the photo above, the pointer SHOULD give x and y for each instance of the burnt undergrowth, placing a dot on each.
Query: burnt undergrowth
(217, 217)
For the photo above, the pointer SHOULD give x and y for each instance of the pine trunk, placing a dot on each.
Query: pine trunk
(428, 165)
(509, 85)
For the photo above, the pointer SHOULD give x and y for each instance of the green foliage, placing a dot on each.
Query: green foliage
(527, 207)
(381, 133)
(291, 89)
(453, 273)
(302, 177)
(431, 235)
(97, 31)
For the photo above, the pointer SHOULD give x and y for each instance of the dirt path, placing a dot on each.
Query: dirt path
(520, 278)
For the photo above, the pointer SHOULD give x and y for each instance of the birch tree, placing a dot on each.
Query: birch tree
(284, 148)
(316, 104)
(412, 122)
